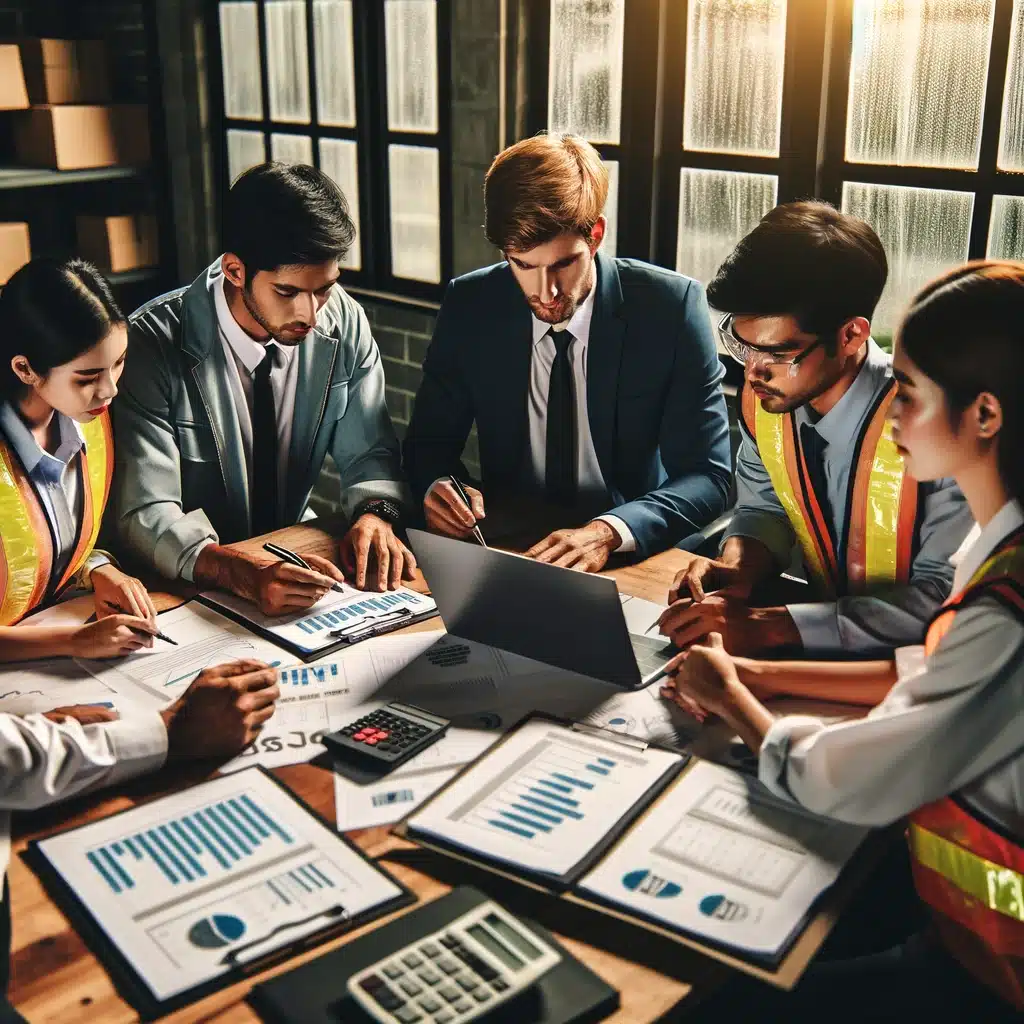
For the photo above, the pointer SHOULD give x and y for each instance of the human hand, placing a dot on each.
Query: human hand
(586, 548)
(745, 630)
(280, 587)
(702, 678)
(86, 714)
(372, 536)
(702, 575)
(447, 513)
(222, 711)
(115, 592)
(112, 636)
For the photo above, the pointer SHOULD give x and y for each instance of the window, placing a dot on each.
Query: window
(359, 89)
(909, 113)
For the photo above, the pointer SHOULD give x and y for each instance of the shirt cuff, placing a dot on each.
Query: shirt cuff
(627, 542)
(139, 744)
(818, 626)
(773, 761)
(188, 565)
(93, 560)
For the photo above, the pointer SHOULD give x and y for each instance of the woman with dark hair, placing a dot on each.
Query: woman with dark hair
(945, 748)
(62, 350)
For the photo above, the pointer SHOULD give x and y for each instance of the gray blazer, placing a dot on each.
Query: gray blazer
(180, 475)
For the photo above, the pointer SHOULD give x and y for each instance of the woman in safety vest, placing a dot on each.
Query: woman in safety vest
(945, 748)
(62, 349)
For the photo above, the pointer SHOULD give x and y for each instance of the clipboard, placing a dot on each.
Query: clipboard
(379, 625)
(130, 984)
(783, 969)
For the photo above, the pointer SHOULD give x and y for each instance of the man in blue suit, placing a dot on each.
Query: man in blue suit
(594, 382)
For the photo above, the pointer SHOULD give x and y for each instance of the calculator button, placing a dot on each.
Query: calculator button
(430, 1004)
(481, 995)
(383, 734)
(450, 992)
(448, 965)
(443, 1017)
(467, 982)
(449, 941)
(499, 985)
(370, 741)
(429, 976)
(412, 960)
(463, 1006)
(408, 1014)
(410, 988)
(430, 949)
(393, 971)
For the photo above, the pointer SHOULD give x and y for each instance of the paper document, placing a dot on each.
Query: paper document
(205, 638)
(386, 801)
(544, 798)
(312, 629)
(722, 858)
(180, 884)
(642, 616)
(28, 687)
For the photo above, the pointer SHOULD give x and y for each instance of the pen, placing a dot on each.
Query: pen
(293, 559)
(140, 632)
(461, 492)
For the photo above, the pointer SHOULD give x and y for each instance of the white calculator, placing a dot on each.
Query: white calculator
(461, 973)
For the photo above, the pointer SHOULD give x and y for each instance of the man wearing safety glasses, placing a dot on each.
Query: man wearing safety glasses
(817, 465)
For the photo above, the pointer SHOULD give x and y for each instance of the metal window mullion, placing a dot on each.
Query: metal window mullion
(314, 100)
(261, 25)
(669, 134)
(444, 140)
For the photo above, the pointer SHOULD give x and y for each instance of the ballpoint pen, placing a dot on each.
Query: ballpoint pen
(140, 632)
(293, 559)
(231, 958)
(461, 492)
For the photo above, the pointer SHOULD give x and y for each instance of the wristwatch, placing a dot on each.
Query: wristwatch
(383, 508)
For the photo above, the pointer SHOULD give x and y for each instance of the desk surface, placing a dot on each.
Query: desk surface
(56, 979)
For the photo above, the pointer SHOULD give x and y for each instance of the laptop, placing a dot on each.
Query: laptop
(569, 619)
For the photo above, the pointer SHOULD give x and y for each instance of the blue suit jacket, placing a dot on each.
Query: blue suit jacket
(654, 398)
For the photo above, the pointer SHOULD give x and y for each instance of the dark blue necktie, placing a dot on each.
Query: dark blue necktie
(560, 465)
(814, 446)
(264, 447)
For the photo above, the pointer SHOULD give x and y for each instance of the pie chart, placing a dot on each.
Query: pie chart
(216, 931)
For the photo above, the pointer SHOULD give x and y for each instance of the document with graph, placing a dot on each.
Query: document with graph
(546, 799)
(337, 620)
(720, 857)
(191, 888)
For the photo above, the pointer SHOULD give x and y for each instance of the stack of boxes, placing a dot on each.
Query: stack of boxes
(64, 119)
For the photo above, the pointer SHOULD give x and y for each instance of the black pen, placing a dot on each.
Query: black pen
(140, 632)
(461, 492)
(293, 559)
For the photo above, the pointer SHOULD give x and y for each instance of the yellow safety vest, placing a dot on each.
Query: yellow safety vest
(26, 543)
(882, 503)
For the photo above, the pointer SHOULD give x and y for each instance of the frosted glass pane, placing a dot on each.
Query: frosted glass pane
(611, 209)
(245, 150)
(1006, 228)
(735, 52)
(585, 68)
(291, 149)
(240, 60)
(1011, 138)
(339, 160)
(287, 61)
(335, 65)
(411, 40)
(716, 209)
(925, 231)
(414, 178)
(917, 82)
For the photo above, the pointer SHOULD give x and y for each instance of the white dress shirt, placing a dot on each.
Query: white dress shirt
(42, 762)
(954, 726)
(56, 480)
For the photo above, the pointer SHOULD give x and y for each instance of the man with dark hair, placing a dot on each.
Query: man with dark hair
(593, 381)
(817, 465)
(238, 386)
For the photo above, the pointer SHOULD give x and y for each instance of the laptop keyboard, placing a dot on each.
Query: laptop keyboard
(651, 652)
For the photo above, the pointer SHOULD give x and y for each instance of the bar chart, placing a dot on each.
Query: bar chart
(204, 844)
(309, 676)
(354, 613)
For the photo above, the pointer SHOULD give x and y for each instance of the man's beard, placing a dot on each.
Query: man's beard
(276, 333)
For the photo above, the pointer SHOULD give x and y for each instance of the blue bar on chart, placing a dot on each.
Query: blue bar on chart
(357, 611)
(305, 675)
(191, 847)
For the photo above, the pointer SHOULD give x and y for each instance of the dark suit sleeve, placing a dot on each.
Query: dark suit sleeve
(694, 440)
(443, 412)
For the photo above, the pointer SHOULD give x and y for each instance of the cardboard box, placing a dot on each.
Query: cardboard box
(65, 70)
(71, 138)
(116, 244)
(15, 251)
(13, 95)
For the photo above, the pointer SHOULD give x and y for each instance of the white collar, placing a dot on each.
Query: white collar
(981, 542)
(578, 324)
(249, 352)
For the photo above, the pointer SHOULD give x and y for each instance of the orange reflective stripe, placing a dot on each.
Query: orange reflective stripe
(25, 538)
(97, 469)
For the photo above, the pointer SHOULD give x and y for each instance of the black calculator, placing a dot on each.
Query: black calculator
(387, 737)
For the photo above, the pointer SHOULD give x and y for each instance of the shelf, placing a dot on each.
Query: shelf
(35, 177)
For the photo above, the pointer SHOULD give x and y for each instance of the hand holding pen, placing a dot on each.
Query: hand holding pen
(454, 510)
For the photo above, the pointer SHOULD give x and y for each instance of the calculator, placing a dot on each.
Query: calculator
(475, 964)
(387, 737)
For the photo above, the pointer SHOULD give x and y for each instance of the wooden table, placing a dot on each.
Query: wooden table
(56, 979)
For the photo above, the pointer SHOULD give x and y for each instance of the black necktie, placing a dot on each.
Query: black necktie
(814, 455)
(264, 447)
(560, 476)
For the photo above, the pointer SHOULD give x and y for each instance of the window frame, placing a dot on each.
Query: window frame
(371, 135)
